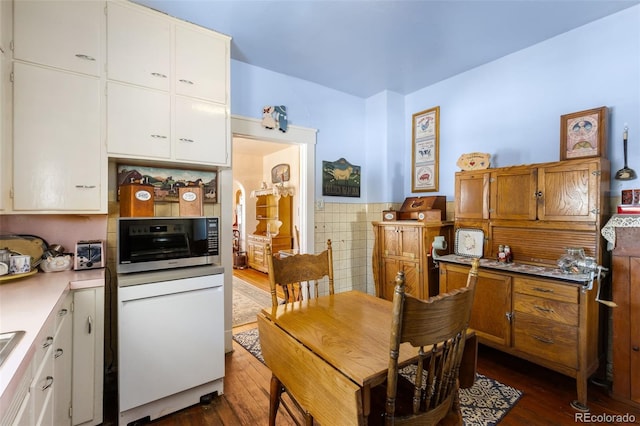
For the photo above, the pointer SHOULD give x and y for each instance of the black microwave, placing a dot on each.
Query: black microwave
(153, 243)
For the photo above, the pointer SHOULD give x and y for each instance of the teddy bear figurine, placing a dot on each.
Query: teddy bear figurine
(267, 117)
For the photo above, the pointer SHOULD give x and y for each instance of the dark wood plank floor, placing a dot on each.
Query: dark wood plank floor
(545, 401)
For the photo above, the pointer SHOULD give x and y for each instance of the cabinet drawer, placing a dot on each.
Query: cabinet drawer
(42, 384)
(548, 309)
(546, 339)
(550, 290)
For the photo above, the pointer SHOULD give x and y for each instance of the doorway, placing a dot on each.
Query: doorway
(250, 144)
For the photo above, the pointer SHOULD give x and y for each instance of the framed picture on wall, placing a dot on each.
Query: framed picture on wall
(425, 150)
(584, 134)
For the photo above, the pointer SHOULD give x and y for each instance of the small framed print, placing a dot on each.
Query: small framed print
(584, 134)
(469, 242)
(425, 146)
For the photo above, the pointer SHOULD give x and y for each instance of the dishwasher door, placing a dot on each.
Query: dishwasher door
(171, 337)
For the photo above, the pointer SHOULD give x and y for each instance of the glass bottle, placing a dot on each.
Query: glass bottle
(507, 254)
(573, 259)
(501, 254)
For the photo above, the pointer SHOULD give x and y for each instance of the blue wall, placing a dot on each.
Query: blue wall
(509, 108)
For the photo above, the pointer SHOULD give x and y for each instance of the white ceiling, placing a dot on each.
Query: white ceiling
(363, 47)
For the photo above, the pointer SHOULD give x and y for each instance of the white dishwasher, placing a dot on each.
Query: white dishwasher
(170, 340)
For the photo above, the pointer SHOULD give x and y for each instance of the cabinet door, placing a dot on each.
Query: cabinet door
(88, 338)
(201, 64)
(138, 47)
(138, 122)
(491, 312)
(472, 195)
(62, 34)
(200, 131)
(390, 269)
(56, 142)
(400, 241)
(62, 366)
(569, 192)
(514, 193)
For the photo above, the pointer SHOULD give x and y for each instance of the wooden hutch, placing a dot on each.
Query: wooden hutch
(538, 210)
(623, 232)
(274, 211)
(402, 242)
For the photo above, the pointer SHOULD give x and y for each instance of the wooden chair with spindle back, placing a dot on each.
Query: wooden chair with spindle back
(290, 272)
(437, 328)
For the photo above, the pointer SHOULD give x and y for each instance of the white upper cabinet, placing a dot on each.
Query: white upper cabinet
(57, 155)
(167, 90)
(138, 47)
(200, 131)
(138, 121)
(62, 34)
(201, 64)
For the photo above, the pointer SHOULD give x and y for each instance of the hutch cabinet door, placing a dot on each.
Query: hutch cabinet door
(569, 191)
(491, 312)
(514, 193)
(472, 195)
(412, 278)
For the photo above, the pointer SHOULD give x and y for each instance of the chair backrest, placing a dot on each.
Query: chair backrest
(436, 327)
(291, 271)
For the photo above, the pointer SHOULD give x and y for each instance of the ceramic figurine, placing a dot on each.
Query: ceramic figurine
(267, 117)
(281, 117)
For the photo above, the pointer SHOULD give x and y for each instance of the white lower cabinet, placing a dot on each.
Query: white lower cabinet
(88, 345)
(46, 400)
(63, 383)
(62, 364)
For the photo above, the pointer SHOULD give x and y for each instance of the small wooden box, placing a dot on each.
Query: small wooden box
(425, 209)
(136, 200)
(190, 199)
(389, 215)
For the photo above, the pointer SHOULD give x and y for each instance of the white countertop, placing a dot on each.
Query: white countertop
(26, 304)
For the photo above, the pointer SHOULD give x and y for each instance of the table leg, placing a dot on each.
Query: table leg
(274, 399)
(366, 403)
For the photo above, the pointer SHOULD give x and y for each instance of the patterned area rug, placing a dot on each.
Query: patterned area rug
(248, 300)
(484, 404)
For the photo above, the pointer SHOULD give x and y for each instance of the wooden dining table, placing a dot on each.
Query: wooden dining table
(331, 351)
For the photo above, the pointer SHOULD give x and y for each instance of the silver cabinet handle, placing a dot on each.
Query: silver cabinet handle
(544, 339)
(186, 140)
(48, 383)
(158, 136)
(48, 342)
(543, 309)
(59, 353)
(159, 75)
(85, 57)
(89, 324)
(85, 187)
(63, 312)
(186, 81)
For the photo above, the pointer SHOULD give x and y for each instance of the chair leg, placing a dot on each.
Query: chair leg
(308, 419)
(274, 399)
